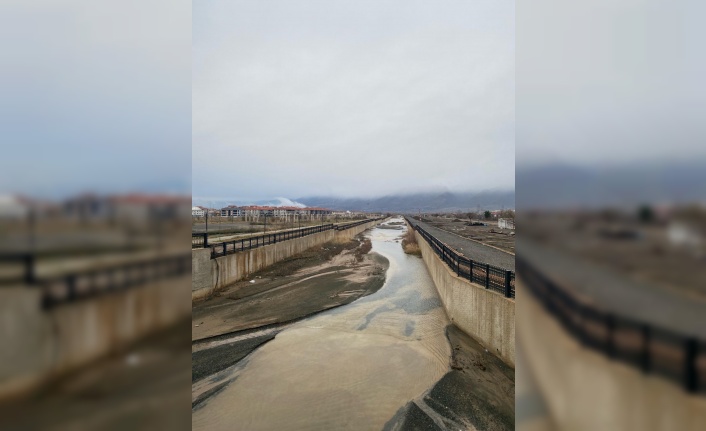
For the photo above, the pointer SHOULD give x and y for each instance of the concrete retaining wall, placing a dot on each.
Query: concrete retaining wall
(211, 274)
(485, 315)
(39, 345)
(585, 390)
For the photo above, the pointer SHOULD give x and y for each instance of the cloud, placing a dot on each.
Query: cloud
(284, 202)
(321, 98)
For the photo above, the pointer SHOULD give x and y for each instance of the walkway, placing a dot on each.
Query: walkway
(470, 249)
(616, 293)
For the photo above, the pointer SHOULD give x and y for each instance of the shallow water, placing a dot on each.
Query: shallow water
(351, 367)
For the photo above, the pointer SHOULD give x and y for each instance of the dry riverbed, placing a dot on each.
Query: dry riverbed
(237, 320)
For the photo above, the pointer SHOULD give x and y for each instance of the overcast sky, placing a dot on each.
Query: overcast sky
(352, 98)
(607, 82)
(95, 96)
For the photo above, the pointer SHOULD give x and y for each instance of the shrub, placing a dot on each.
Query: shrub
(409, 243)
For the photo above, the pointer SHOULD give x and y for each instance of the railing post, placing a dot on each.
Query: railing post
(205, 240)
(470, 275)
(690, 372)
(71, 287)
(487, 276)
(508, 290)
(29, 268)
(645, 354)
(610, 330)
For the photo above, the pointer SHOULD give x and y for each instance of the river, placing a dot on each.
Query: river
(352, 367)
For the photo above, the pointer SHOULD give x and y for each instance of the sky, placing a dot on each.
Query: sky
(95, 96)
(352, 99)
(609, 83)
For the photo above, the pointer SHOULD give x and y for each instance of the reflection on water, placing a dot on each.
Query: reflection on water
(351, 367)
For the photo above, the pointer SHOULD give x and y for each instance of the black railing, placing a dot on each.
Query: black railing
(491, 277)
(654, 350)
(238, 245)
(354, 224)
(80, 285)
(22, 263)
(199, 240)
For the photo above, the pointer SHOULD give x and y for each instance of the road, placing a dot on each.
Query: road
(614, 292)
(471, 249)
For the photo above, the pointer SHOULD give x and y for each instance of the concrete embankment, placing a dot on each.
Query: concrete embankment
(38, 345)
(209, 274)
(483, 314)
(585, 390)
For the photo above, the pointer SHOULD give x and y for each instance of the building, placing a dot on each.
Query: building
(14, 207)
(88, 206)
(285, 212)
(506, 223)
(141, 207)
(688, 227)
(197, 212)
(232, 211)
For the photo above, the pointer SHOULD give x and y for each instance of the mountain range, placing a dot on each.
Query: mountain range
(419, 202)
(627, 185)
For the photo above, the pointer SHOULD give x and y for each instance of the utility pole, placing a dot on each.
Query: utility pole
(265, 222)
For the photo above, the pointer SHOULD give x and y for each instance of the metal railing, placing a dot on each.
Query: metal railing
(199, 240)
(80, 285)
(234, 246)
(653, 350)
(491, 277)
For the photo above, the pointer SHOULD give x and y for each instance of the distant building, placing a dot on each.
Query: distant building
(13, 207)
(506, 223)
(285, 212)
(232, 211)
(197, 212)
(140, 207)
(88, 206)
(688, 227)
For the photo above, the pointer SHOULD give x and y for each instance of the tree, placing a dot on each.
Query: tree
(487, 214)
(507, 214)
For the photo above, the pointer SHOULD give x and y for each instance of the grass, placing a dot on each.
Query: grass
(410, 245)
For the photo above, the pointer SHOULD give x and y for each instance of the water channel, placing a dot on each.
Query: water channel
(352, 367)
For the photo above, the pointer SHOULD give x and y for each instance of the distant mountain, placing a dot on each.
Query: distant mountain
(424, 202)
(561, 186)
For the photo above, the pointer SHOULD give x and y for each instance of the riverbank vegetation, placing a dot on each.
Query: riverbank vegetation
(410, 245)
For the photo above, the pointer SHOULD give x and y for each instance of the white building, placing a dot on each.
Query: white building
(506, 223)
(197, 212)
(13, 207)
